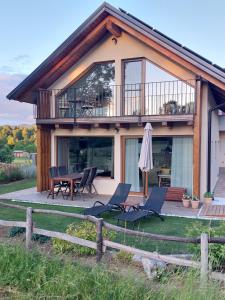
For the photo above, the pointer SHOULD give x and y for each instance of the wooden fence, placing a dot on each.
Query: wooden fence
(101, 244)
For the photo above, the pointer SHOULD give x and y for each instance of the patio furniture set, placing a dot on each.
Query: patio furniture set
(119, 202)
(71, 184)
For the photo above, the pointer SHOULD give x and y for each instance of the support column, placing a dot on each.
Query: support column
(43, 157)
(197, 140)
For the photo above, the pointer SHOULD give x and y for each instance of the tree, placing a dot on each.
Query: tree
(6, 155)
(10, 140)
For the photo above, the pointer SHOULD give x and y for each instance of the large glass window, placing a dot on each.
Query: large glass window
(81, 152)
(132, 87)
(91, 95)
(166, 94)
(150, 90)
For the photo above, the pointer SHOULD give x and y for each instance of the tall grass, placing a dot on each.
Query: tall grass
(39, 277)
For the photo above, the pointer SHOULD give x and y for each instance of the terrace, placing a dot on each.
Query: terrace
(165, 101)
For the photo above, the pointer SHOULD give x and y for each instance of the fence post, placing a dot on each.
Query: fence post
(99, 240)
(29, 227)
(204, 258)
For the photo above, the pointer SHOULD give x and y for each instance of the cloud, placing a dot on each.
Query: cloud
(13, 112)
(20, 64)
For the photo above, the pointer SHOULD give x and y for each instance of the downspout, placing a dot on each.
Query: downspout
(209, 142)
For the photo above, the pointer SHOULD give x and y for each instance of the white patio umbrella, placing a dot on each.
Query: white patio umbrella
(145, 161)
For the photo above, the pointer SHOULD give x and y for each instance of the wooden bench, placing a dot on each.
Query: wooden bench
(175, 193)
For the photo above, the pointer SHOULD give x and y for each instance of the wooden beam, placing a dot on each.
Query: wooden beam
(190, 123)
(83, 126)
(43, 157)
(197, 140)
(121, 125)
(113, 29)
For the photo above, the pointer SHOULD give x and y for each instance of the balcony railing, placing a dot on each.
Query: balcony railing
(148, 99)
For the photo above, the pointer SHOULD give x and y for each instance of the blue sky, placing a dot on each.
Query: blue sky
(31, 30)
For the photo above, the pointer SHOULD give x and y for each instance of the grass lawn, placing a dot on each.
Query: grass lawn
(22, 160)
(31, 275)
(17, 185)
(171, 226)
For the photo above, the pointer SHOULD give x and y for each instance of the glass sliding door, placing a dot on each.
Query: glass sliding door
(133, 79)
(160, 175)
(133, 175)
(182, 163)
(172, 161)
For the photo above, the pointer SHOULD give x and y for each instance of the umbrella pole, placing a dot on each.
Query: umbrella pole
(145, 184)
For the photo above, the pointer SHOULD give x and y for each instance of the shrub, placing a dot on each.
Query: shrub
(124, 257)
(85, 230)
(10, 173)
(14, 231)
(216, 251)
(208, 195)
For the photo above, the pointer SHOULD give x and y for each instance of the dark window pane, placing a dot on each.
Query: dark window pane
(132, 88)
(91, 95)
(85, 152)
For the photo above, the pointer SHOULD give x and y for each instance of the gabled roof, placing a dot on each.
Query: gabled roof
(64, 57)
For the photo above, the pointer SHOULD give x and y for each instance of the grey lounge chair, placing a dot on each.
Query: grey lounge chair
(152, 206)
(117, 198)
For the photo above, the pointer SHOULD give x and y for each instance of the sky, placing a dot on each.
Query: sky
(31, 30)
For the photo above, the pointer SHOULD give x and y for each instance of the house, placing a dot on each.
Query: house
(93, 95)
(20, 153)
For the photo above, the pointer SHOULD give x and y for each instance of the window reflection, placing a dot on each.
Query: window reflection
(91, 95)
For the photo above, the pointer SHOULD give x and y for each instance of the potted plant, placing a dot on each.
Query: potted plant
(195, 202)
(208, 197)
(186, 199)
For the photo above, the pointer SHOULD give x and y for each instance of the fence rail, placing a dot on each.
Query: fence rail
(101, 244)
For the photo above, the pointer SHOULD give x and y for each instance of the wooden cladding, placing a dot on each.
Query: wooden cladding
(44, 104)
(43, 157)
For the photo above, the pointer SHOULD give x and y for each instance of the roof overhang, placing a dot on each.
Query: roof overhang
(107, 19)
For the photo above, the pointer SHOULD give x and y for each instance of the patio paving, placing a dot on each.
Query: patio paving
(170, 208)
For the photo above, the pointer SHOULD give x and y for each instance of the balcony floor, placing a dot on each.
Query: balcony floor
(122, 119)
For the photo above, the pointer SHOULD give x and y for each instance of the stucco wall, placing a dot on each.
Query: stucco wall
(204, 139)
(222, 149)
(126, 47)
(107, 185)
(215, 143)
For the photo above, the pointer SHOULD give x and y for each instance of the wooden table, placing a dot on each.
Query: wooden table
(70, 178)
(131, 202)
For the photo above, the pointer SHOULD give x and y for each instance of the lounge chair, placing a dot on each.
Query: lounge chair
(152, 206)
(117, 198)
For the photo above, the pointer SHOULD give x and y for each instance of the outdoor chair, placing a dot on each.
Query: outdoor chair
(152, 207)
(80, 186)
(62, 170)
(119, 196)
(90, 180)
(53, 172)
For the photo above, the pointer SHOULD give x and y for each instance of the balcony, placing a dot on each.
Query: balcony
(132, 103)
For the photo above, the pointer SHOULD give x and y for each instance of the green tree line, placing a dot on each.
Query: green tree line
(16, 138)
